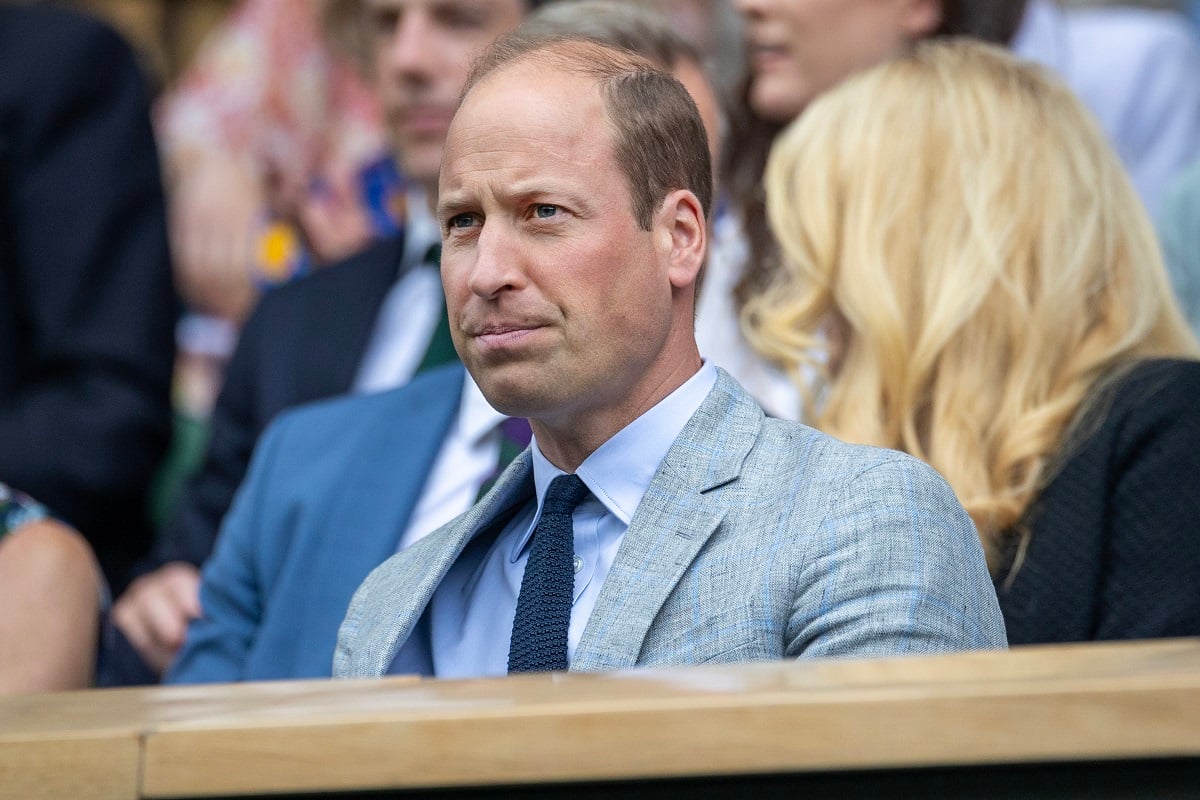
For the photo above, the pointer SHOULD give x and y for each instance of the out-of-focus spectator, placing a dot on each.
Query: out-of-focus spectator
(270, 122)
(1134, 68)
(1179, 230)
(795, 51)
(985, 292)
(87, 307)
(1137, 70)
(165, 34)
(267, 112)
(363, 325)
(276, 164)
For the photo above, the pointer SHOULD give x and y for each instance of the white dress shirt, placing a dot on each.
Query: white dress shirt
(466, 460)
(409, 313)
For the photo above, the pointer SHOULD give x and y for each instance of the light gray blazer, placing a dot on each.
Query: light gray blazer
(757, 539)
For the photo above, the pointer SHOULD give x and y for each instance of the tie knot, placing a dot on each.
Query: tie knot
(565, 492)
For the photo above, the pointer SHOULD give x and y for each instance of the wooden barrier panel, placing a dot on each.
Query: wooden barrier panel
(1084, 703)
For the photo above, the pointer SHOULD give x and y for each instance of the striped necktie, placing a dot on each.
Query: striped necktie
(514, 437)
(441, 346)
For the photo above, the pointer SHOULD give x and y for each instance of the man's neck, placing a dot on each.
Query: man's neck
(567, 439)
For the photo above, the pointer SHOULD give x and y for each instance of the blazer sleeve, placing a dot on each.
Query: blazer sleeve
(85, 410)
(231, 593)
(303, 342)
(899, 569)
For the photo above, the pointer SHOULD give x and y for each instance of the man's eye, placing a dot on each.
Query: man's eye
(463, 17)
(461, 221)
(383, 21)
(545, 210)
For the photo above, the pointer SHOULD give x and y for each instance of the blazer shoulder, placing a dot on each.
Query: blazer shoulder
(438, 388)
(803, 447)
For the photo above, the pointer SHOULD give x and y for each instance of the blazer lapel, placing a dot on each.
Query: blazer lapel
(673, 522)
(334, 340)
(357, 536)
(413, 575)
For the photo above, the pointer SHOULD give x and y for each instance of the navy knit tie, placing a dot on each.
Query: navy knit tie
(539, 635)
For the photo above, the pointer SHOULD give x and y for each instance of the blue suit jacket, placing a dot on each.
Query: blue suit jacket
(291, 552)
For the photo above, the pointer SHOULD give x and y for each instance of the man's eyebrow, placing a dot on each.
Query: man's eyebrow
(449, 206)
(537, 188)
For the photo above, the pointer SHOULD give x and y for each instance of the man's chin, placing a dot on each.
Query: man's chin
(420, 163)
(512, 391)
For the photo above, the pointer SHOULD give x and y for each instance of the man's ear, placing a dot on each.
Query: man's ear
(682, 236)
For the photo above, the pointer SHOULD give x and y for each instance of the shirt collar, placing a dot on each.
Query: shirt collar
(476, 417)
(420, 228)
(619, 472)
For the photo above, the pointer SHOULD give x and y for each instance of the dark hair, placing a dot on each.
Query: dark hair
(658, 137)
(618, 23)
(994, 21)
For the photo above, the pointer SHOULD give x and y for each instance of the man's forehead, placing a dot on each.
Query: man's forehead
(530, 77)
(562, 112)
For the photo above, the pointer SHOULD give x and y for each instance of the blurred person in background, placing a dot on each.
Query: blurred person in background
(86, 302)
(1179, 230)
(51, 591)
(86, 317)
(271, 121)
(986, 293)
(365, 324)
(1136, 70)
(796, 49)
(1142, 88)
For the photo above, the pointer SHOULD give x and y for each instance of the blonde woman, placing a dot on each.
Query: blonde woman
(971, 275)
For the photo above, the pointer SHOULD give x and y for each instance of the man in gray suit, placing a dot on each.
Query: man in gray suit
(659, 517)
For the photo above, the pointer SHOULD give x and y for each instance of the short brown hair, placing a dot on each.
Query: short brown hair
(658, 137)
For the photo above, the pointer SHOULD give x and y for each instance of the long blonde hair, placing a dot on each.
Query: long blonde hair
(965, 260)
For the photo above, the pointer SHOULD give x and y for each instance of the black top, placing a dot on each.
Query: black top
(87, 306)
(1114, 551)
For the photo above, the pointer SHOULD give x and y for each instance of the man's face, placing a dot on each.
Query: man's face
(560, 305)
(421, 53)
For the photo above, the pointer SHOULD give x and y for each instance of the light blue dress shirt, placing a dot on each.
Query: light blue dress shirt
(466, 628)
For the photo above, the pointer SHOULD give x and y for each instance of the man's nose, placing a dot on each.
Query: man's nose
(748, 8)
(410, 45)
(498, 262)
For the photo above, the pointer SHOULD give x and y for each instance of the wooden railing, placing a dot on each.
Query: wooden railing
(1109, 707)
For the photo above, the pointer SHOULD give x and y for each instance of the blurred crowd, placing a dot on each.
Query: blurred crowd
(215, 210)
